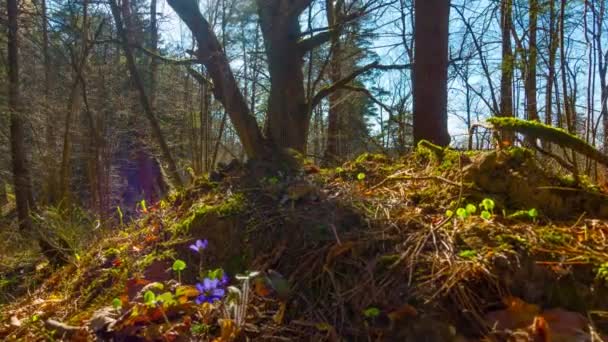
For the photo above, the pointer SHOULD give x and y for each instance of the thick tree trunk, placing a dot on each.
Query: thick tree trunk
(225, 88)
(288, 117)
(145, 102)
(21, 175)
(431, 71)
(506, 81)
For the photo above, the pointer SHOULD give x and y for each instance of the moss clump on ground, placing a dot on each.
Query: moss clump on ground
(229, 206)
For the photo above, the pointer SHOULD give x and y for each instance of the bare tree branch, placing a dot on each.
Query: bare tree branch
(349, 78)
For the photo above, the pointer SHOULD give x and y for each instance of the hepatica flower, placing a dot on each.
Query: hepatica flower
(210, 291)
(199, 245)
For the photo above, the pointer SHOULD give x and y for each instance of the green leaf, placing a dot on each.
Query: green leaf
(143, 205)
(449, 213)
(371, 312)
(462, 213)
(533, 213)
(179, 265)
(166, 298)
(116, 303)
(486, 215)
(361, 176)
(150, 298)
(488, 204)
(471, 209)
(216, 273)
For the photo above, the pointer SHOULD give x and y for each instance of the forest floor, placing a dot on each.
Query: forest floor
(437, 246)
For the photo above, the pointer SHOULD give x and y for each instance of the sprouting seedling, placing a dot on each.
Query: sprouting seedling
(144, 207)
(371, 312)
(471, 209)
(120, 215)
(179, 266)
(116, 304)
(533, 213)
(361, 176)
(488, 205)
(149, 298)
(462, 213)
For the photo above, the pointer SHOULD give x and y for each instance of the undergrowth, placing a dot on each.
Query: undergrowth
(424, 246)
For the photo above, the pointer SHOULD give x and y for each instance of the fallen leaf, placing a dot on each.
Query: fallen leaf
(338, 250)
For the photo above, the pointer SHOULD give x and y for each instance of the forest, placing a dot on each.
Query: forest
(304, 170)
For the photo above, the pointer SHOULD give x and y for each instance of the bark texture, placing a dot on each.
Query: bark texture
(431, 71)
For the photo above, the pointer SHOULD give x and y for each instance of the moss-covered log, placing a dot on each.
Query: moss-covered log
(537, 130)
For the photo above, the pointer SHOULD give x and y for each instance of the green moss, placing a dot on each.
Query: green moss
(230, 206)
(141, 264)
(537, 130)
(371, 157)
(555, 237)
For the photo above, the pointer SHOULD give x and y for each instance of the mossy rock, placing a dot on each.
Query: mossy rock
(514, 175)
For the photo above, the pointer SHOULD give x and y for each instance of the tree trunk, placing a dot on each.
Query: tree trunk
(506, 81)
(333, 151)
(431, 71)
(554, 39)
(52, 192)
(3, 195)
(21, 175)
(288, 117)
(145, 102)
(153, 48)
(568, 116)
(531, 107)
(225, 88)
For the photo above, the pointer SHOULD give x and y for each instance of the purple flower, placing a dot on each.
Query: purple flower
(224, 280)
(210, 291)
(199, 245)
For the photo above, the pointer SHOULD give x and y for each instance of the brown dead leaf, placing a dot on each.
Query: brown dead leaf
(517, 315)
(338, 250)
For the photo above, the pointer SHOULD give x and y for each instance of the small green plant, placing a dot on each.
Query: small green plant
(602, 272)
(449, 213)
(471, 209)
(149, 298)
(116, 304)
(488, 209)
(179, 266)
(371, 312)
(533, 213)
(120, 215)
(361, 176)
(143, 206)
(200, 329)
(468, 254)
(462, 213)
(167, 299)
